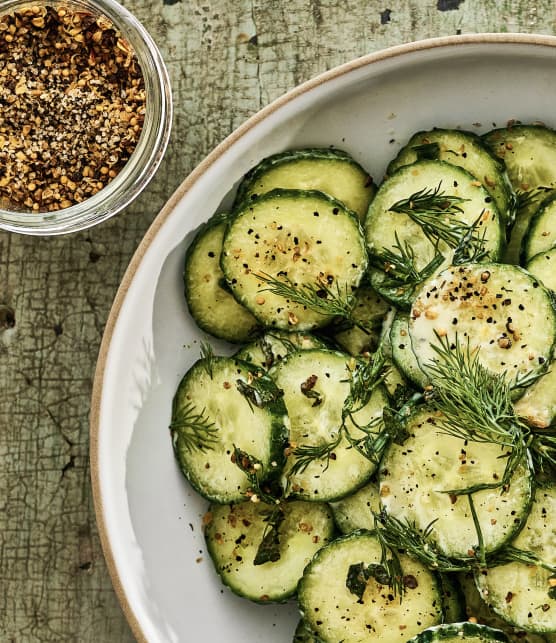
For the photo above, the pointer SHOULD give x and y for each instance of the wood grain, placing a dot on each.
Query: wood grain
(226, 60)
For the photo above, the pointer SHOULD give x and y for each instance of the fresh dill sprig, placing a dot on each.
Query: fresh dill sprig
(319, 297)
(194, 428)
(480, 552)
(509, 554)
(436, 214)
(401, 273)
(305, 454)
(207, 355)
(524, 380)
(363, 378)
(542, 447)
(532, 197)
(399, 262)
(471, 248)
(373, 444)
(476, 405)
(429, 201)
(395, 535)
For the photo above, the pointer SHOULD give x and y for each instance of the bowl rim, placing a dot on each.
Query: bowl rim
(395, 51)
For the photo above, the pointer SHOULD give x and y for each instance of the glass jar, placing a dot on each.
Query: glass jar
(139, 169)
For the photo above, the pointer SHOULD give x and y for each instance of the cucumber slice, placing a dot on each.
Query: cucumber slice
(336, 614)
(467, 150)
(234, 534)
(537, 405)
(529, 152)
(541, 232)
(301, 237)
(501, 310)
(328, 170)
(415, 475)
(542, 265)
(524, 594)
(539, 532)
(388, 231)
(273, 346)
(478, 611)
(402, 351)
(315, 385)
(356, 510)
(394, 380)
(209, 300)
(453, 632)
(211, 415)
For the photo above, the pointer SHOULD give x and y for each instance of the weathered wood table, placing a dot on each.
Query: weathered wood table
(226, 60)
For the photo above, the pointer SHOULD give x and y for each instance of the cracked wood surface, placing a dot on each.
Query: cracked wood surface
(226, 60)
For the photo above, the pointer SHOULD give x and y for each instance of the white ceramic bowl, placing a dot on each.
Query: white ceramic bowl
(148, 516)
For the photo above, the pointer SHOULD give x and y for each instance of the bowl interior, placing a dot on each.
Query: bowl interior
(148, 515)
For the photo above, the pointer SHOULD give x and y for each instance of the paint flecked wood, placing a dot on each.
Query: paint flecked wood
(226, 60)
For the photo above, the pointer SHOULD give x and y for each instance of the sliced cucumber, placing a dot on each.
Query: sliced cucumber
(453, 632)
(273, 346)
(356, 510)
(467, 150)
(537, 405)
(387, 231)
(501, 311)
(394, 380)
(329, 170)
(529, 152)
(539, 532)
(524, 594)
(541, 232)
(542, 267)
(302, 238)
(336, 614)
(316, 385)
(222, 403)
(209, 300)
(478, 611)
(402, 351)
(235, 534)
(415, 476)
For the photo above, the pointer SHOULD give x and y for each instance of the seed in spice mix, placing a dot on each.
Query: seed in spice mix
(72, 106)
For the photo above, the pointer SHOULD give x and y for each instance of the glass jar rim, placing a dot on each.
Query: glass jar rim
(147, 156)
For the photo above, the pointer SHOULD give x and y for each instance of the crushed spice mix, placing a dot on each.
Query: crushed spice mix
(72, 106)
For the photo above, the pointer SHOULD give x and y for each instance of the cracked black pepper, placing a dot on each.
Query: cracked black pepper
(72, 106)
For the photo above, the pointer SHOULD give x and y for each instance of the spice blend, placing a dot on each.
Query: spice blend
(72, 106)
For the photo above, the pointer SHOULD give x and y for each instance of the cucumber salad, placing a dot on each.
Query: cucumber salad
(381, 445)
